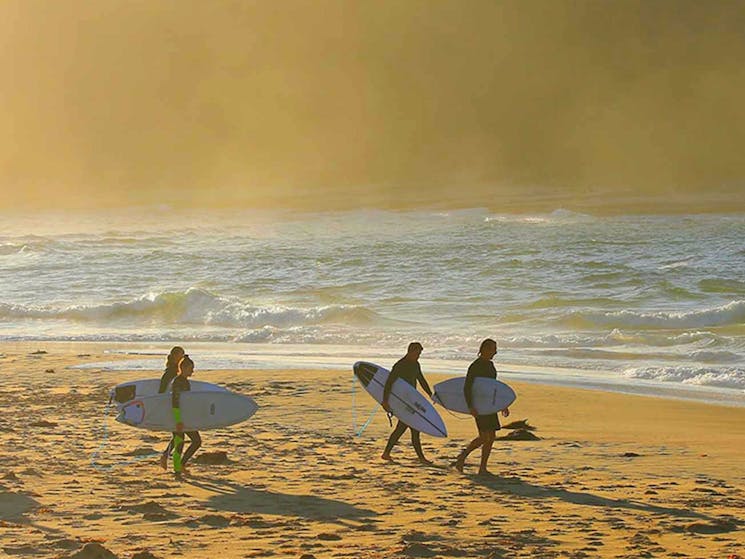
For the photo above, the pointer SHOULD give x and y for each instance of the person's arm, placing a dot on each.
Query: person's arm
(164, 380)
(388, 386)
(423, 382)
(468, 390)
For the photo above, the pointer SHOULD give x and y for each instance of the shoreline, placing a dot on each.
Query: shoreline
(282, 357)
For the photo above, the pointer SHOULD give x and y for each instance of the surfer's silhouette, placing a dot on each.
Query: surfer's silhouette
(487, 425)
(407, 368)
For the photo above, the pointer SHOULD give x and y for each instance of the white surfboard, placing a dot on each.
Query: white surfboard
(200, 410)
(126, 391)
(407, 404)
(489, 395)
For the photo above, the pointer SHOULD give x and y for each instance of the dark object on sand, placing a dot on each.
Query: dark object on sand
(519, 435)
(328, 536)
(713, 527)
(213, 458)
(144, 555)
(42, 423)
(520, 424)
(417, 549)
(630, 455)
(93, 551)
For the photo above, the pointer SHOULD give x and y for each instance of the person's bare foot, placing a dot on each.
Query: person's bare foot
(163, 461)
(426, 462)
(387, 457)
(485, 473)
(459, 465)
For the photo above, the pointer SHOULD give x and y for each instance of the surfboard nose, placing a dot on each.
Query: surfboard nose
(132, 413)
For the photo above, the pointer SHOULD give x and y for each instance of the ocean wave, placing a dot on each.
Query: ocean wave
(723, 315)
(559, 216)
(640, 353)
(18, 249)
(553, 301)
(199, 307)
(721, 377)
(721, 285)
(617, 337)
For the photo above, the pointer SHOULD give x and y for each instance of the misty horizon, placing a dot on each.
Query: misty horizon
(393, 104)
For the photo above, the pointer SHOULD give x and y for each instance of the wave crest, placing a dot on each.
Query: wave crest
(730, 313)
(199, 307)
(731, 377)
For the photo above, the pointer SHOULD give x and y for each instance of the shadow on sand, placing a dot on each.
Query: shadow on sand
(232, 497)
(14, 505)
(515, 486)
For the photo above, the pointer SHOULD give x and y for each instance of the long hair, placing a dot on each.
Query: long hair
(174, 357)
(185, 362)
(486, 342)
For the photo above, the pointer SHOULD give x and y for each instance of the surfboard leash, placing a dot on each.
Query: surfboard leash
(460, 417)
(358, 432)
(104, 433)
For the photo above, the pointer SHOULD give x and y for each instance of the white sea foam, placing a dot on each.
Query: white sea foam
(723, 377)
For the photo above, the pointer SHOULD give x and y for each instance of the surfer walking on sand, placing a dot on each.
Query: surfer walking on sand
(408, 369)
(487, 425)
(181, 384)
(176, 354)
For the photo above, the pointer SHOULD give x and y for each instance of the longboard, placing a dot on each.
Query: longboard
(200, 410)
(126, 391)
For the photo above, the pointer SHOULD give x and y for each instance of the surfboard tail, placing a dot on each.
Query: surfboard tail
(364, 372)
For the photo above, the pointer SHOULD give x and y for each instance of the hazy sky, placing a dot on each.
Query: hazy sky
(302, 102)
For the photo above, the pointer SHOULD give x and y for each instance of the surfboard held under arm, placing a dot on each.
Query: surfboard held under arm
(126, 391)
(406, 402)
(489, 395)
(201, 410)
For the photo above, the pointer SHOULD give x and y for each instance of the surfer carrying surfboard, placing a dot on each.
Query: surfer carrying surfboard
(181, 384)
(408, 369)
(172, 361)
(487, 425)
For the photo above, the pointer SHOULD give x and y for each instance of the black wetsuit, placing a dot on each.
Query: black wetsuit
(181, 384)
(481, 368)
(168, 375)
(411, 372)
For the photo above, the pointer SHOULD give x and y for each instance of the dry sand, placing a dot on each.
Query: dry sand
(611, 476)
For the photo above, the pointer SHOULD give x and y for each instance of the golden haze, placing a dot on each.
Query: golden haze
(309, 103)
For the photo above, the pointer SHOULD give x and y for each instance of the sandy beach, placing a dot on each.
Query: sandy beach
(610, 476)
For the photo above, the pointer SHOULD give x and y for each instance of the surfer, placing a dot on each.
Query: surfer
(408, 369)
(487, 425)
(181, 384)
(177, 352)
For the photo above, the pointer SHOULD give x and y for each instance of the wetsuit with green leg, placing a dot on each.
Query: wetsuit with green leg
(168, 375)
(181, 384)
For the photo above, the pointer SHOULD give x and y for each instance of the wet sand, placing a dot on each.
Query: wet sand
(612, 475)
